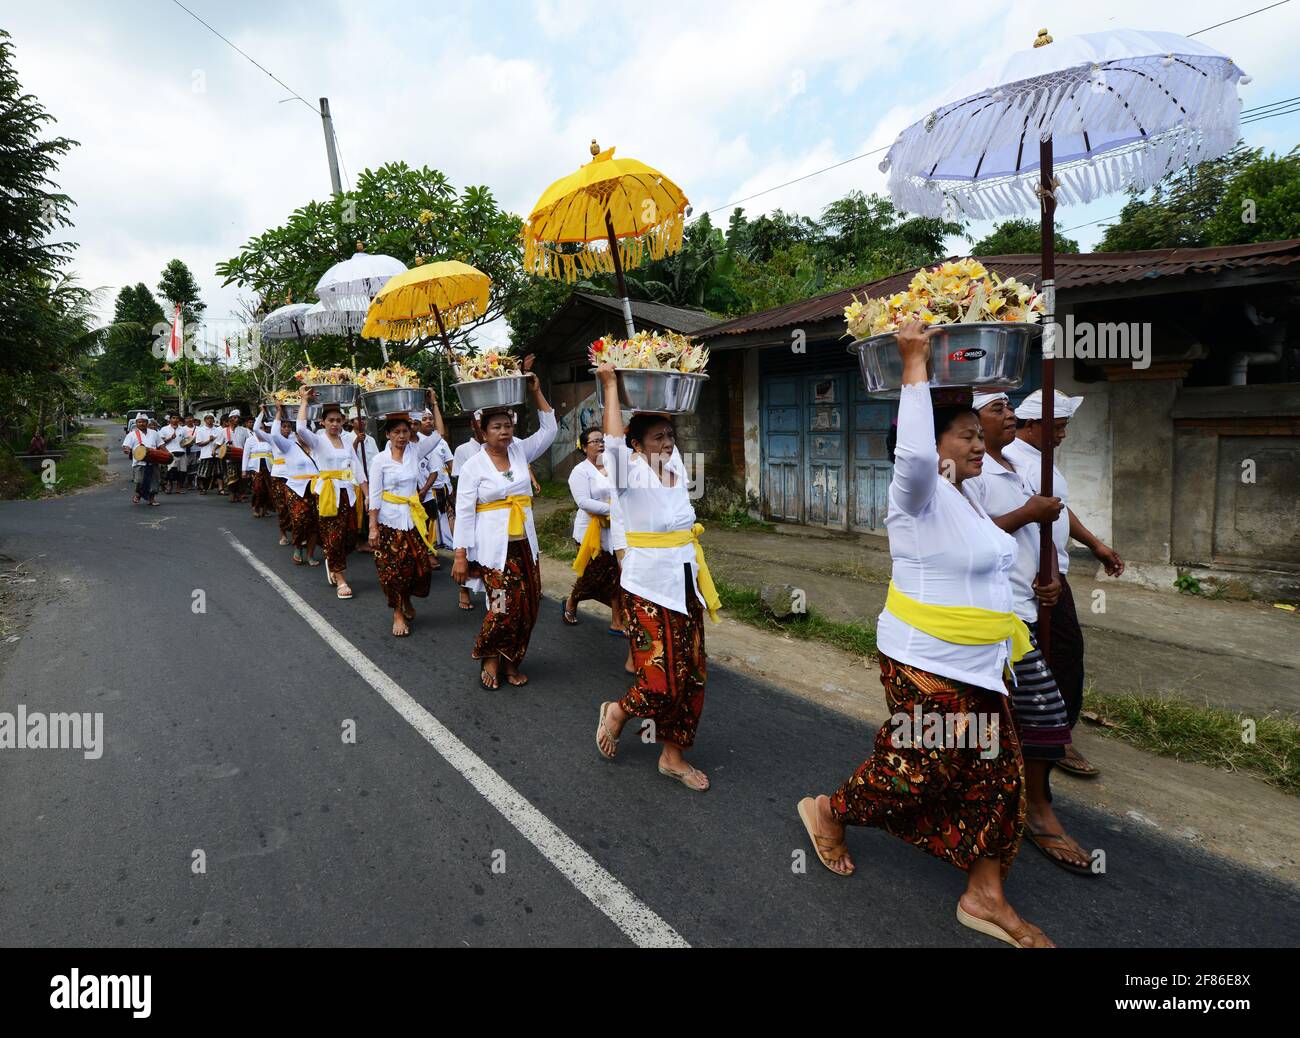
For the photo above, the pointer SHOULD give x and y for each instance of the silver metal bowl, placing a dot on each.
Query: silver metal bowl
(329, 394)
(979, 356)
(506, 391)
(394, 401)
(664, 392)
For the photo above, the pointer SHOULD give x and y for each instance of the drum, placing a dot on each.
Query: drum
(138, 452)
(187, 442)
(221, 450)
(158, 456)
(234, 454)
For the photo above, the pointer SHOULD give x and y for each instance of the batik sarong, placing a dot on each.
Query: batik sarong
(338, 535)
(402, 561)
(280, 497)
(302, 517)
(263, 501)
(513, 596)
(668, 651)
(950, 800)
(599, 581)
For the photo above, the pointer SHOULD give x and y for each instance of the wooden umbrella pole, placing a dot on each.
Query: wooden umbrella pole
(1046, 547)
(618, 272)
(446, 340)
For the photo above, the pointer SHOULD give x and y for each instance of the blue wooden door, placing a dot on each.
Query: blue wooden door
(825, 422)
(871, 468)
(782, 450)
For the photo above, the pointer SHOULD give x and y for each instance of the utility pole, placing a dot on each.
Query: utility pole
(335, 184)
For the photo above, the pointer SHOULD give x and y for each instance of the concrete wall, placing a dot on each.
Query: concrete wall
(1142, 469)
(1085, 456)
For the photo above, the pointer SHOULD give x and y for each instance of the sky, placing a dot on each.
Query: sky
(188, 150)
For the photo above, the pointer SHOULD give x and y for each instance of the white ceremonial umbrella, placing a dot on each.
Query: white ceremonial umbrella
(320, 320)
(284, 322)
(1068, 121)
(351, 284)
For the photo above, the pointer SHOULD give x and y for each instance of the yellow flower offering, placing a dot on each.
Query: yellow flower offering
(956, 292)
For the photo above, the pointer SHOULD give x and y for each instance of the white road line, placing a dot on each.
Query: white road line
(624, 909)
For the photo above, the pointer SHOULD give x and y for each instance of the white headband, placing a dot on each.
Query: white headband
(1031, 409)
(984, 399)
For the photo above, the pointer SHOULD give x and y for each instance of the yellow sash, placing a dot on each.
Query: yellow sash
(516, 503)
(961, 625)
(279, 461)
(418, 515)
(326, 492)
(590, 546)
(677, 539)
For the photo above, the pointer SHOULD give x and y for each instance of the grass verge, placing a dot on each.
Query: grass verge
(81, 467)
(742, 603)
(1202, 735)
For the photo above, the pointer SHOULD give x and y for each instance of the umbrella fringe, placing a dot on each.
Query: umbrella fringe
(544, 259)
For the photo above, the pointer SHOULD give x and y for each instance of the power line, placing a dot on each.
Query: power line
(876, 151)
(246, 55)
(1272, 104)
(1238, 18)
(816, 172)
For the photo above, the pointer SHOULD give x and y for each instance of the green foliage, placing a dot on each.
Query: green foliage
(532, 305)
(1188, 584)
(32, 212)
(1181, 208)
(410, 214)
(1203, 735)
(177, 285)
(775, 259)
(1262, 203)
(1013, 237)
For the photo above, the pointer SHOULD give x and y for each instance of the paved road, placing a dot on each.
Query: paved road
(223, 734)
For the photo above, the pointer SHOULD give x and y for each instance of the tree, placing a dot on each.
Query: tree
(868, 231)
(32, 210)
(395, 210)
(1014, 237)
(1180, 207)
(177, 285)
(1262, 203)
(532, 305)
(126, 373)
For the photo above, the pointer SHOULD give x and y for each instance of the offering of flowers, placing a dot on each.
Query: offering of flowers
(288, 397)
(955, 292)
(390, 376)
(487, 365)
(314, 376)
(655, 351)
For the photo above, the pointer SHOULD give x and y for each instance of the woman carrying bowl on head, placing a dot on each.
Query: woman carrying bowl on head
(946, 637)
(401, 534)
(596, 566)
(334, 487)
(666, 586)
(300, 502)
(495, 539)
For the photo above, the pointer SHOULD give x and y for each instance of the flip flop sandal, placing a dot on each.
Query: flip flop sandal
(1086, 770)
(1069, 866)
(569, 618)
(682, 776)
(822, 845)
(329, 576)
(313, 562)
(339, 593)
(990, 929)
(601, 729)
(468, 608)
(617, 633)
(297, 558)
(484, 678)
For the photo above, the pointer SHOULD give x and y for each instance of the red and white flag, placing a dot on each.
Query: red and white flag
(175, 346)
(227, 349)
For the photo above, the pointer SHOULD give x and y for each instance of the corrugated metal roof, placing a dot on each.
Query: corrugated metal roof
(1072, 272)
(655, 315)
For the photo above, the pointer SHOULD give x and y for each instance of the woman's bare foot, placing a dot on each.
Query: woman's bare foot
(612, 719)
(400, 627)
(487, 674)
(983, 904)
(463, 599)
(513, 674)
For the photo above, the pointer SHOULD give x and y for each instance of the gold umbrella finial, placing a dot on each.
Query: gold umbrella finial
(595, 148)
(1043, 38)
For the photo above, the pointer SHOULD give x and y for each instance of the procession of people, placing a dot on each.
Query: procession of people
(958, 636)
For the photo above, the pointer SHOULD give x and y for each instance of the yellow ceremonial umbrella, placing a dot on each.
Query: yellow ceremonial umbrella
(439, 295)
(623, 203)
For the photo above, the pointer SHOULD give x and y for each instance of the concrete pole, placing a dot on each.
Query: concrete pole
(335, 184)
